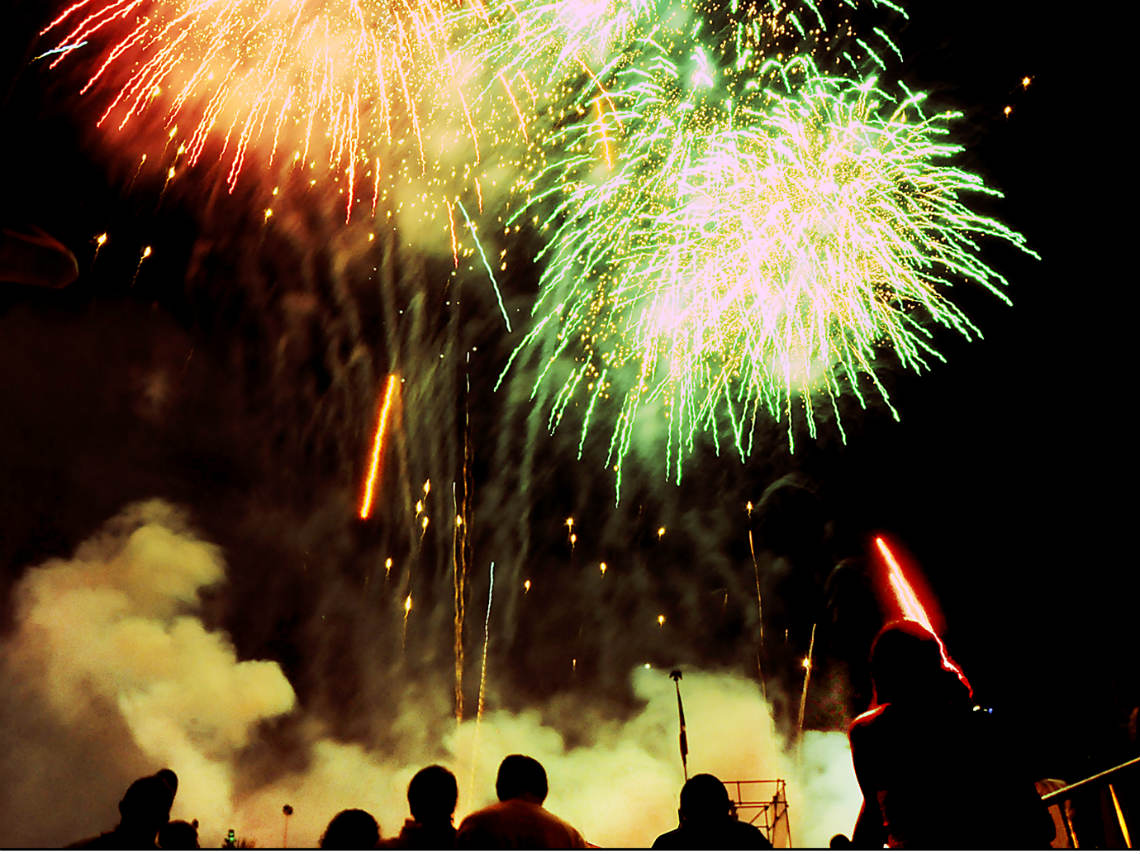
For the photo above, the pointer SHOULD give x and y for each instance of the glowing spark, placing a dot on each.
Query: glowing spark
(377, 446)
(526, 586)
(1007, 110)
(407, 605)
(661, 532)
(660, 619)
(1025, 81)
(602, 567)
(387, 567)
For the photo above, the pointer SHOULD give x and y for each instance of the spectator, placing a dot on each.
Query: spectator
(351, 830)
(708, 820)
(518, 819)
(179, 835)
(143, 811)
(432, 794)
(934, 771)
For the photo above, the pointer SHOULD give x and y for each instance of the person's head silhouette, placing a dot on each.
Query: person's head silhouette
(145, 806)
(350, 830)
(704, 801)
(909, 663)
(432, 794)
(521, 777)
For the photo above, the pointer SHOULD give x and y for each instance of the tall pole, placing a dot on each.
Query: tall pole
(676, 677)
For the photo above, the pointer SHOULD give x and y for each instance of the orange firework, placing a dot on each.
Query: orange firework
(326, 84)
(377, 446)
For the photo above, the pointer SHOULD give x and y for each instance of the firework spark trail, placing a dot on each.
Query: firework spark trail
(482, 678)
(377, 446)
(766, 230)
(904, 594)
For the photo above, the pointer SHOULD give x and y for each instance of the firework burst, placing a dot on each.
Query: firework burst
(766, 231)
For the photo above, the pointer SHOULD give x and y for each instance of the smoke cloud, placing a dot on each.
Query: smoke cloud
(111, 672)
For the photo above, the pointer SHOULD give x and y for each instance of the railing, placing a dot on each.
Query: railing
(1061, 796)
(770, 814)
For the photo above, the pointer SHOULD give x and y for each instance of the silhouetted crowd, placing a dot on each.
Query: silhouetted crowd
(931, 764)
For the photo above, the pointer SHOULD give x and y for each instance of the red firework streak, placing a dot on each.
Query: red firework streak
(909, 606)
(378, 445)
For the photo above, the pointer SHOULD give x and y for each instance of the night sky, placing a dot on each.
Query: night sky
(1008, 478)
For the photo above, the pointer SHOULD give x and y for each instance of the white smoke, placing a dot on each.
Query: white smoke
(117, 675)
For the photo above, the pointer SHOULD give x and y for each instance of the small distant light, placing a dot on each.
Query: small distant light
(1025, 81)
(648, 666)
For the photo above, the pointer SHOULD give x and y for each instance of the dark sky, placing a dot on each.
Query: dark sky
(1008, 477)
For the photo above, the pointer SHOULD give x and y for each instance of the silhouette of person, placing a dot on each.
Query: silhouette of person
(934, 769)
(351, 829)
(518, 819)
(143, 811)
(708, 820)
(432, 794)
(179, 835)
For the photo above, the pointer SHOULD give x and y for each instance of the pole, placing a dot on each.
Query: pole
(676, 677)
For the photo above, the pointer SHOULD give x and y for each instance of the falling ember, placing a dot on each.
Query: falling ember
(387, 567)
(377, 446)
(1008, 109)
(526, 586)
(404, 628)
(1025, 81)
(904, 594)
(100, 241)
(427, 486)
(748, 508)
(660, 619)
(603, 568)
(661, 532)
